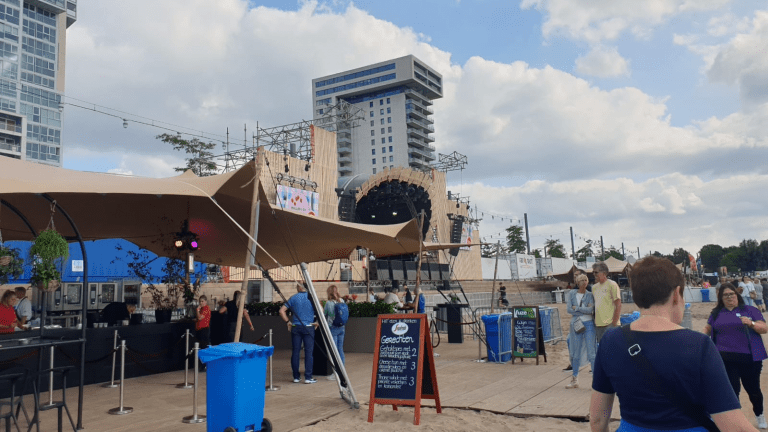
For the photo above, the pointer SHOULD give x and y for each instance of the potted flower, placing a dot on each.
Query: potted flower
(11, 264)
(48, 251)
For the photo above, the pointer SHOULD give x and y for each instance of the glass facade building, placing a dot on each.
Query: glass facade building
(32, 58)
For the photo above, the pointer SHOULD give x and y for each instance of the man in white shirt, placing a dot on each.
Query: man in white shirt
(23, 306)
(747, 288)
(393, 298)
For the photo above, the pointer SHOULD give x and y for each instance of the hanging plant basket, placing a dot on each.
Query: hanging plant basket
(5, 261)
(52, 285)
(11, 264)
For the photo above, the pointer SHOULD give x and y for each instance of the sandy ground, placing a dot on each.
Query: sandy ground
(470, 420)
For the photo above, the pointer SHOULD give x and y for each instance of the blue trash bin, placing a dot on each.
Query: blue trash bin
(236, 385)
(498, 336)
(705, 295)
(628, 318)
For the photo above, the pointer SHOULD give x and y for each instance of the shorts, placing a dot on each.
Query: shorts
(759, 302)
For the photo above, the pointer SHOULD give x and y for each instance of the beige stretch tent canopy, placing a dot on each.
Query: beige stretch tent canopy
(148, 212)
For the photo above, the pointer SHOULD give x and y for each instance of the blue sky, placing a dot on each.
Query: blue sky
(644, 122)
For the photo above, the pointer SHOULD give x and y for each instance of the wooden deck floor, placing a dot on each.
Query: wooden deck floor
(519, 389)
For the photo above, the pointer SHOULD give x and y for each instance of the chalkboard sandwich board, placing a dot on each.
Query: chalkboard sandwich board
(527, 337)
(403, 364)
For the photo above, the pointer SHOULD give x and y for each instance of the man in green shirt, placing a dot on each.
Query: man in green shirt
(607, 300)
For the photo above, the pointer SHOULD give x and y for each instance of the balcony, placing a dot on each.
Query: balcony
(10, 147)
(345, 170)
(418, 163)
(418, 103)
(345, 148)
(422, 154)
(424, 100)
(418, 113)
(420, 143)
(411, 121)
(343, 139)
(345, 159)
(417, 133)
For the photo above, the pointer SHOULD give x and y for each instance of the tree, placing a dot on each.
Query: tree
(200, 159)
(613, 252)
(555, 248)
(536, 253)
(515, 240)
(487, 250)
(584, 252)
(752, 255)
(710, 255)
(733, 259)
(680, 255)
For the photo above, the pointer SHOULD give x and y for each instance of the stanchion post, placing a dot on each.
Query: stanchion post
(271, 387)
(185, 384)
(121, 409)
(194, 418)
(50, 381)
(114, 359)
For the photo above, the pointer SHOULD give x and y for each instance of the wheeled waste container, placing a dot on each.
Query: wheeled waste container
(236, 380)
(705, 295)
(498, 335)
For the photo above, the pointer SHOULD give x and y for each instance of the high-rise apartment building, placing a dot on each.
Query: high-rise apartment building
(33, 39)
(396, 97)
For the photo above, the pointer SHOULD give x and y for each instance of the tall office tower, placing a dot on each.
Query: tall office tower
(33, 40)
(396, 96)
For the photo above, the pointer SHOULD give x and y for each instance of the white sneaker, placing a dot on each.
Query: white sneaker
(761, 423)
(296, 380)
(573, 384)
(310, 381)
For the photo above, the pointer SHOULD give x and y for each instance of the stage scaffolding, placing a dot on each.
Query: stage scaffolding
(295, 139)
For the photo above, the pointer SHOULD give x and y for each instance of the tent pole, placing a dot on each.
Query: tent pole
(251, 251)
(84, 312)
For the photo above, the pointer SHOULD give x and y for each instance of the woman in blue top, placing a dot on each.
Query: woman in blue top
(330, 314)
(679, 361)
(736, 329)
(581, 305)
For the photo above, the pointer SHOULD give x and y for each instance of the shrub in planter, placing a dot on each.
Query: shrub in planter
(368, 310)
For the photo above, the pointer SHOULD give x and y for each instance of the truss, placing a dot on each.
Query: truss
(295, 139)
(450, 162)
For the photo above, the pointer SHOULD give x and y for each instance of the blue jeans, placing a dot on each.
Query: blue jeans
(338, 338)
(578, 341)
(306, 335)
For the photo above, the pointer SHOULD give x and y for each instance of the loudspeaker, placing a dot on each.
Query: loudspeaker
(382, 269)
(445, 272)
(397, 270)
(446, 285)
(456, 236)
(410, 270)
(434, 271)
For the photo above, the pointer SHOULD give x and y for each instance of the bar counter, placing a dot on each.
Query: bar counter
(151, 349)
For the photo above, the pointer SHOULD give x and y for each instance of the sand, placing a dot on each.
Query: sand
(471, 420)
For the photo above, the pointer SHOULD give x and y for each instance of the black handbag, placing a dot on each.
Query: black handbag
(695, 412)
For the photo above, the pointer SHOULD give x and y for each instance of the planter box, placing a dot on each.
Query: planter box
(359, 337)
(360, 334)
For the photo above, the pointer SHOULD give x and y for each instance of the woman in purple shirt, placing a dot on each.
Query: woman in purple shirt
(736, 328)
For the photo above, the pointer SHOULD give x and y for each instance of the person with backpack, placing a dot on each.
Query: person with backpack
(336, 314)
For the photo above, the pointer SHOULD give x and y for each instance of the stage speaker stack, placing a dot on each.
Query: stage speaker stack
(456, 235)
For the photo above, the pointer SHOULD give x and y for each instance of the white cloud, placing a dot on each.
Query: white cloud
(743, 61)
(603, 62)
(727, 24)
(599, 20)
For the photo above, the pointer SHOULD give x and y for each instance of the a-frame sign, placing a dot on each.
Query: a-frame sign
(403, 364)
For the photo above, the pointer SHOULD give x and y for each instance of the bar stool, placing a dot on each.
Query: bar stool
(17, 380)
(59, 405)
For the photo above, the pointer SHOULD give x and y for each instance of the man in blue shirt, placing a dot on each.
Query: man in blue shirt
(302, 327)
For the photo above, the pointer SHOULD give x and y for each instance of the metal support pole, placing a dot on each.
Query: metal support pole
(527, 238)
(114, 359)
(185, 384)
(121, 409)
(194, 418)
(271, 387)
(50, 382)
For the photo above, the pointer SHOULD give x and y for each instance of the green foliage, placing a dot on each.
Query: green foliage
(680, 255)
(613, 252)
(264, 308)
(585, 251)
(516, 239)
(49, 246)
(15, 268)
(555, 249)
(47, 253)
(366, 310)
(710, 255)
(200, 161)
(536, 253)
